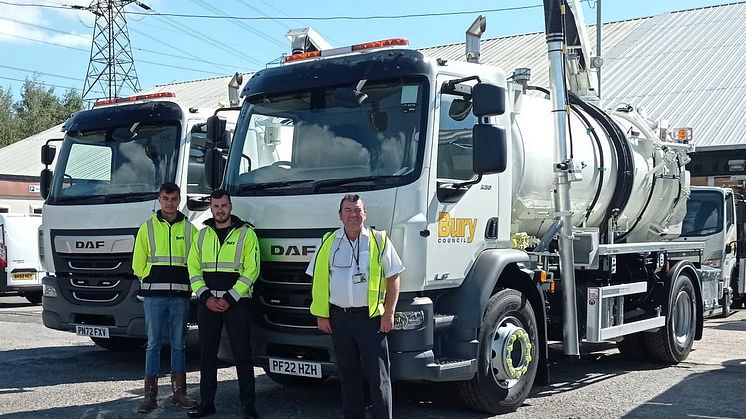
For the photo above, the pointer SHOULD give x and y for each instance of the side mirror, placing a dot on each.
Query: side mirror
(214, 168)
(198, 204)
(490, 149)
(459, 109)
(45, 181)
(488, 99)
(216, 131)
(47, 154)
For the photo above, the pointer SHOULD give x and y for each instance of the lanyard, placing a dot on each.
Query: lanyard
(354, 250)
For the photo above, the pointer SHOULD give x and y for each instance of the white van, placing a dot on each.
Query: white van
(20, 269)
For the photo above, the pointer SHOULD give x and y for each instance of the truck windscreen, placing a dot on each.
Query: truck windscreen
(116, 164)
(704, 214)
(329, 139)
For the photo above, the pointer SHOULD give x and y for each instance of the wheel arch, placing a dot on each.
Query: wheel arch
(686, 267)
(495, 269)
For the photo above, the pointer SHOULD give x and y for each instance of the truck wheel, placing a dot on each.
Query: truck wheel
(633, 348)
(34, 298)
(119, 343)
(292, 381)
(672, 343)
(507, 362)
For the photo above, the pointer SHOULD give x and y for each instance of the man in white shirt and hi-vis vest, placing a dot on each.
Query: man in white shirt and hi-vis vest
(159, 259)
(223, 266)
(355, 290)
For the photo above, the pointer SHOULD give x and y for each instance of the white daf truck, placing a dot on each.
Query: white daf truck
(20, 270)
(469, 176)
(112, 162)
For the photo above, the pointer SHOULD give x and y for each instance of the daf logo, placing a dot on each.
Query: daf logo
(89, 244)
(277, 250)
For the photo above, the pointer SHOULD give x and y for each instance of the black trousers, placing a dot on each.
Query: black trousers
(237, 323)
(362, 352)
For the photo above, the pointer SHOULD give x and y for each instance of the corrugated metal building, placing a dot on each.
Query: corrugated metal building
(685, 66)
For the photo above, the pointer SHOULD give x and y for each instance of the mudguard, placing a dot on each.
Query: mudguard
(679, 268)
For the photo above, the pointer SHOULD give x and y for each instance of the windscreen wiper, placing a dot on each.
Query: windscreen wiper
(270, 185)
(124, 197)
(339, 182)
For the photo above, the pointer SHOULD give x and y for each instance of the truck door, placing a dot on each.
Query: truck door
(731, 239)
(457, 217)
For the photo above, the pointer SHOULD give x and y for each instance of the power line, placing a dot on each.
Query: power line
(373, 17)
(40, 72)
(85, 50)
(240, 24)
(39, 82)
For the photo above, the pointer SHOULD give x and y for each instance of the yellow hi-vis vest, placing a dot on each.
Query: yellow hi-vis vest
(226, 270)
(376, 279)
(159, 257)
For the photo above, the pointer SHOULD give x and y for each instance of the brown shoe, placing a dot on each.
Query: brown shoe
(151, 396)
(180, 397)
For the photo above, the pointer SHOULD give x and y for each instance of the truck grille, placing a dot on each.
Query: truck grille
(283, 296)
(95, 290)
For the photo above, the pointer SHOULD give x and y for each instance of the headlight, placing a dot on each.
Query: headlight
(712, 263)
(408, 320)
(49, 291)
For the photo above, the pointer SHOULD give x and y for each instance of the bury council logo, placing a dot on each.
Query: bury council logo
(455, 229)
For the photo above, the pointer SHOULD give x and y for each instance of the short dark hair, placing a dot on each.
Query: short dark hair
(351, 197)
(219, 193)
(169, 187)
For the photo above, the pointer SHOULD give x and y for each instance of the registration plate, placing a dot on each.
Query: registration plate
(294, 367)
(24, 276)
(92, 331)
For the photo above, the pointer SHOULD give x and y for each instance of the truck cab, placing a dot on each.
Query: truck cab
(711, 218)
(110, 166)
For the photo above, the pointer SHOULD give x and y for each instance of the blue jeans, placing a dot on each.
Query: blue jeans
(159, 312)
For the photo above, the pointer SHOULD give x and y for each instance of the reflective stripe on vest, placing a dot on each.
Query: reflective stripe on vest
(218, 266)
(168, 260)
(376, 279)
(147, 286)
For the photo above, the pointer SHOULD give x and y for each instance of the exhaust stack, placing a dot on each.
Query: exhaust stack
(473, 38)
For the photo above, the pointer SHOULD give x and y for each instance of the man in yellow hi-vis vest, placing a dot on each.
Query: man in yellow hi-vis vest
(223, 265)
(159, 259)
(354, 294)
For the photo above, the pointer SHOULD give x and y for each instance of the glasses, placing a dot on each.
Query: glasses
(356, 211)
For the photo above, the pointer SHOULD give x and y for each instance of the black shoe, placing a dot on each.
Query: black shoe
(201, 411)
(249, 412)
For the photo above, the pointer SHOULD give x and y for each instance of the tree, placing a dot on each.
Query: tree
(38, 109)
(7, 120)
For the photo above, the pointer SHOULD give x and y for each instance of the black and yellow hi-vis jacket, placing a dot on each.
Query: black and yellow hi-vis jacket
(159, 258)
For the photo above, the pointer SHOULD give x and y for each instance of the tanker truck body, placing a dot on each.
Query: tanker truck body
(455, 162)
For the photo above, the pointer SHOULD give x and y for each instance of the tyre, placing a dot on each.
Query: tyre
(633, 347)
(507, 362)
(119, 343)
(672, 343)
(34, 298)
(293, 381)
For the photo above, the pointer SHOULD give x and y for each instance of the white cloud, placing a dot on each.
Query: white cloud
(58, 26)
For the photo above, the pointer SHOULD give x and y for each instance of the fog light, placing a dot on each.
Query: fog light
(49, 291)
(408, 320)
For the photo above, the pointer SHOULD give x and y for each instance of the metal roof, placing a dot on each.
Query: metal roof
(685, 66)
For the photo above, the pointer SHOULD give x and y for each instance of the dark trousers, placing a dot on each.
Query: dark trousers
(362, 351)
(237, 323)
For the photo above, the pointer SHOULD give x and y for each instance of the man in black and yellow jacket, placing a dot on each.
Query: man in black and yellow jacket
(223, 265)
(159, 259)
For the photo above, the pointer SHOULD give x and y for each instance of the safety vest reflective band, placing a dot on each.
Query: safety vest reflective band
(160, 256)
(376, 279)
(147, 286)
(175, 251)
(230, 267)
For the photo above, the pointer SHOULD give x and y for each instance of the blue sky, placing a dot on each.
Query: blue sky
(55, 42)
